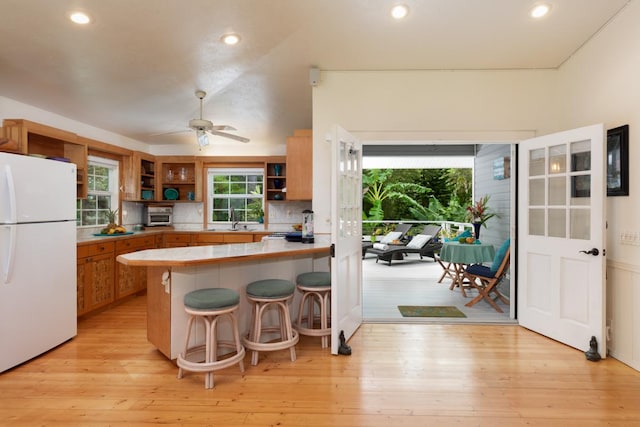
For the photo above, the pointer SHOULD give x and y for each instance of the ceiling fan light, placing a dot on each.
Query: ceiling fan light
(203, 139)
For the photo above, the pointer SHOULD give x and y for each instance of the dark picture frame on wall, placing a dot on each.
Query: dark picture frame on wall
(618, 161)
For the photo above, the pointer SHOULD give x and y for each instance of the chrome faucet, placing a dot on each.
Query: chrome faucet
(234, 222)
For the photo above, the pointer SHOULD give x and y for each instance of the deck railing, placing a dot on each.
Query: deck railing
(380, 228)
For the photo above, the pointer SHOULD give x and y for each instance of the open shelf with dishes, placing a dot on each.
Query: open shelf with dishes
(276, 181)
(147, 179)
(179, 181)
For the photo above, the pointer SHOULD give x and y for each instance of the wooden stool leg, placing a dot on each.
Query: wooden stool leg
(324, 318)
(186, 343)
(288, 328)
(236, 337)
(208, 351)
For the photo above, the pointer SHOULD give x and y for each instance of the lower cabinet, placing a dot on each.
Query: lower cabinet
(176, 240)
(130, 280)
(95, 276)
(101, 280)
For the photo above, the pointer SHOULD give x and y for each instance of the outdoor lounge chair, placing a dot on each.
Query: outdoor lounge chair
(485, 279)
(422, 244)
(397, 234)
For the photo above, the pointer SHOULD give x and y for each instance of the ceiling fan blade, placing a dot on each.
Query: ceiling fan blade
(228, 135)
(170, 133)
(223, 127)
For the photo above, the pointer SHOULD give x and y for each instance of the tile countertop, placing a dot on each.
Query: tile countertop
(198, 255)
(88, 237)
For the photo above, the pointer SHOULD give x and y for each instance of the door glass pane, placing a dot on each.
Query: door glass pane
(580, 190)
(536, 162)
(536, 222)
(558, 191)
(580, 220)
(536, 192)
(557, 223)
(581, 156)
(557, 159)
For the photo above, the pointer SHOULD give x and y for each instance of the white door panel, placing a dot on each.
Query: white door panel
(561, 189)
(346, 235)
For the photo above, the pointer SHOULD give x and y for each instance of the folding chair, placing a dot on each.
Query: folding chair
(485, 280)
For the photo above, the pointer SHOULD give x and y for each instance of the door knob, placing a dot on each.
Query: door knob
(593, 251)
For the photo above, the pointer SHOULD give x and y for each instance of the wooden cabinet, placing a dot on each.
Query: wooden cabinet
(276, 179)
(140, 177)
(95, 276)
(34, 138)
(182, 175)
(130, 280)
(176, 240)
(300, 165)
(205, 239)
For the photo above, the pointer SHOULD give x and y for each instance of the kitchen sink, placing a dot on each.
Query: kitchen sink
(225, 230)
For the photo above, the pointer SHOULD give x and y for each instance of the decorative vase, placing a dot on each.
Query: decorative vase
(277, 170)
(476, 229)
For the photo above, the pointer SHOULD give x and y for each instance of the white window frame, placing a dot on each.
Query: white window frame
(234, 199)
(113, 192)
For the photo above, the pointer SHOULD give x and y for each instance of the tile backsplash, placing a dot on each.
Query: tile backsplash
(188, 216)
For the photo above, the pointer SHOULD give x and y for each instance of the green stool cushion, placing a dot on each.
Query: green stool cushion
(315, 278)
(211, 298)
(270, 288)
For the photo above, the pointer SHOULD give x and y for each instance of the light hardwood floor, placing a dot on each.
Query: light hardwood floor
(398, 375)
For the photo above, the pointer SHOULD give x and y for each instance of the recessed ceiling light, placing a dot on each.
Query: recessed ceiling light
(399, 11)
(540, 10)
(231, 39)
(80, 18)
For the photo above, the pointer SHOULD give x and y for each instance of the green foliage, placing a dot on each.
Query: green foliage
(416, 194)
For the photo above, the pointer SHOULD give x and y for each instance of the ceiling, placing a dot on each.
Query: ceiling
(134, 70)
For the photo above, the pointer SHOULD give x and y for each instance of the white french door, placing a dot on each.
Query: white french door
(561, 235)
(346, 235)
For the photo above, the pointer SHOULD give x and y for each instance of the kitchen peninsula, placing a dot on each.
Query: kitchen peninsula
(173, 272)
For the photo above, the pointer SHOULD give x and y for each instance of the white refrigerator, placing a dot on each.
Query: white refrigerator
(37, 256)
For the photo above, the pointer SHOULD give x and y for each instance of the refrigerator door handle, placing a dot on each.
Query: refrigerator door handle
(11, 195)
(10, 251)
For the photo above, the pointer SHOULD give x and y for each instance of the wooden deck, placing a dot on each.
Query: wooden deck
(415, 282)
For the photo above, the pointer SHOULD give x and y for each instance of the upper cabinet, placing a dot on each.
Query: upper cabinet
(33, 138)
(140, 178)
(180, 179)
(300, 165)
(276, 179)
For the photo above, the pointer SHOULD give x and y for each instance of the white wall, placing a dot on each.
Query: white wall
(600, 84)
(426, 106)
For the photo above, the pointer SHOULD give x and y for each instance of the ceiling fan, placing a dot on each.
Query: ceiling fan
(202, 127)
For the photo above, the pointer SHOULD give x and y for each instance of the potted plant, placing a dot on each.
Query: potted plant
(257, 212)
(478, 214)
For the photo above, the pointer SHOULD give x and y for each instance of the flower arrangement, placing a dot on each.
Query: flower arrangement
(478, 213)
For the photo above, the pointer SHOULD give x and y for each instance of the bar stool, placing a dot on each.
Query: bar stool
(315, 287)
(210, 304)
(276, 294)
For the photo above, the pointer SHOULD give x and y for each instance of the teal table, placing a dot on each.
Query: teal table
(463, 254)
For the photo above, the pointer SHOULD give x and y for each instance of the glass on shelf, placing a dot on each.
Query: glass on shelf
(170, 175)
(183, 174)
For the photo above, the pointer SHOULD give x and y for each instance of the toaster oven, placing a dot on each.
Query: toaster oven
(158, 215)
